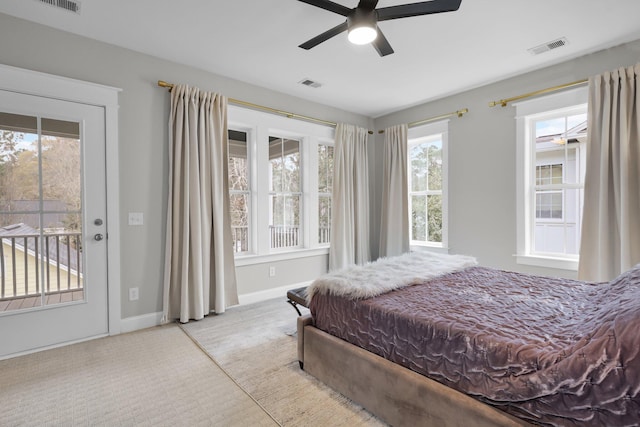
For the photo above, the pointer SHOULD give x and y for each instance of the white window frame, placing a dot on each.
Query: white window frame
(416, 136)
(526, 112)
(259, 126)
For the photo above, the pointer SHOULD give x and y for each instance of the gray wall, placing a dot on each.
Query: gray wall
(143, 143)
(482, 152)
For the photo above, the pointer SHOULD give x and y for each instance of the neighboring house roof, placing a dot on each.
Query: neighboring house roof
(66, 255)
(52, 217)
(577, 133)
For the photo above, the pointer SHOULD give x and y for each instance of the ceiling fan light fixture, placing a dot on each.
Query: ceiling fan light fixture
(362, 35)
(362, 27)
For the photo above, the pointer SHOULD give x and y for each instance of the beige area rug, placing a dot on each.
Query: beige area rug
(256, 345)
(154, 377)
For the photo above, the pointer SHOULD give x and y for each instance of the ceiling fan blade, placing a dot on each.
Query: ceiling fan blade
(367, 4)
(417, 9)
(381, 44)
(329, 5)
(324, 36)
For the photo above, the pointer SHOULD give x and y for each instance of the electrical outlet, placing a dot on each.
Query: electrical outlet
(272, 271)
(133, 294)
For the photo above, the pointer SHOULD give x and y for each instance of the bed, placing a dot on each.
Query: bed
(430, 339)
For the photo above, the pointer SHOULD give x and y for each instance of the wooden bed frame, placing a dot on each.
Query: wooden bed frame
(393, 393)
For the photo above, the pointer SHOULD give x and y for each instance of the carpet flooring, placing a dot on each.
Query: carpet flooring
(235, 369)
(153, 377)
(256, 345)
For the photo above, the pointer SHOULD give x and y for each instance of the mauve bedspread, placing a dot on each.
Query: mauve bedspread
(552, 351)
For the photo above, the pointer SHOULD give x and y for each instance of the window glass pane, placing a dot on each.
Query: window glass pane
(238, 165)
(419, 159)
(285, 219)
(548, 130)
(434, 206)
(40, 178)
(291, 172)
(239, 205)
(275, 164)
(61, 165)
(577, 126)
(19, 177)
(419, 218)
(324, 219)
(284, 160)
(435, 165)
(325, 168)
(20, 270)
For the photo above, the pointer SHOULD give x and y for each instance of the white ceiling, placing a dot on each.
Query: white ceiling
(435, 55)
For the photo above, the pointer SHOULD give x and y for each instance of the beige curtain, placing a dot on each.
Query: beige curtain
(350, 198)
(610, 241)
(394, 227)
(199, 267)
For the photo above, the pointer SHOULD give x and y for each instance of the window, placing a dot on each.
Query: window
(285, 195)
(325, 185)
(280, 179)
(427, 184)
(239, 194)
(551, 156)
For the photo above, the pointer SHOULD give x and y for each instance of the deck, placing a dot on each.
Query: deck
(37, 301)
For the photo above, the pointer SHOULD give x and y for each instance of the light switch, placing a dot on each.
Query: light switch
(136, 218)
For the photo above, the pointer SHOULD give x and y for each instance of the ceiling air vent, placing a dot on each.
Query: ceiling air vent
(68, 5)
(310, 83)
(548, 46)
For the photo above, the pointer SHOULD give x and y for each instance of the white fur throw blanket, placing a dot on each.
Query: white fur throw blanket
(386, 274)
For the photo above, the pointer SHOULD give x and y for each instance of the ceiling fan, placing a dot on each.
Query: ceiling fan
(362, 21)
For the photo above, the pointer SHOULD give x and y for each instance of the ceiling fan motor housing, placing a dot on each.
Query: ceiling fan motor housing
(360, 17)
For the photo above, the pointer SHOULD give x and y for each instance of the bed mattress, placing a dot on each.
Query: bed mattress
(549, 350)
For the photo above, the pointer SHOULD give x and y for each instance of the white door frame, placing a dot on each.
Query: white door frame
(47, 85)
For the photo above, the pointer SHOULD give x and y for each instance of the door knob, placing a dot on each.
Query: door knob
(98, 221)
(98, 237)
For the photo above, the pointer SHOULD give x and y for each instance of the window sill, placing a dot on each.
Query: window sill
(242, 260)
(429, 248)
(548, 262)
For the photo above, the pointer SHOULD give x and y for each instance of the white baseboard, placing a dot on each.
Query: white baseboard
(130, 324)
(267, 294)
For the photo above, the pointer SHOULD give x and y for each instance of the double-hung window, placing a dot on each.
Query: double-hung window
(427, 152)
(552, 134)
(280, 179)
(285, 193)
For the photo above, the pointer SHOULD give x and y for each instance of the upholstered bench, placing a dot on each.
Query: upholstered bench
(297, 297)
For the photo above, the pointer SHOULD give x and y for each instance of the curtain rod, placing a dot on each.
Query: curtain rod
(458, 113)
(287, 114)
(504, 102)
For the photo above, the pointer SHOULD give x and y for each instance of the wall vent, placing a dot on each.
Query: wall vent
(548, 46)
(68, 5)
(310, 83)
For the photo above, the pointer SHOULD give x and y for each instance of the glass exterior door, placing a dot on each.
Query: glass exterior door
(52, 210)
